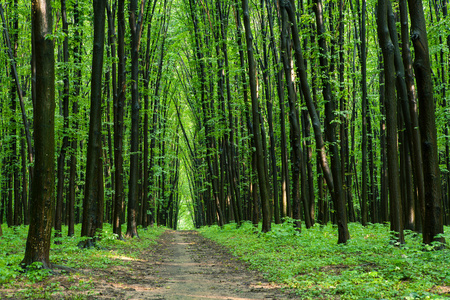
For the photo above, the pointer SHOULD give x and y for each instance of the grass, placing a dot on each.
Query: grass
(35, 283)
(369, 266)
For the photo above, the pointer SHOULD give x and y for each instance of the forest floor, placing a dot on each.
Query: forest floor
(183, 265)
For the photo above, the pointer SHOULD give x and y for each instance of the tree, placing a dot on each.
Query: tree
(391, 120)
(432, 216)
(329, 174)
(65, 109)
(119, 107)
(93, 194)
(135, 26)
(42, 188)
(256, 121)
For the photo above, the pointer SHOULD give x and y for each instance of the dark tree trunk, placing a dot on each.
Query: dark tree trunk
(26, 213)
(320, 145)
(74, 142)
(391, 121)
(294, 122)
(119, 107)
(337, 192)
(256, 122)
(411, 137)
(384, 182)
(135, 21)
(269, 106)
(284, 200)
(365, 116)
(65, 110)
(93, 194)
(432, 218)
(111, 13)
(42, 193)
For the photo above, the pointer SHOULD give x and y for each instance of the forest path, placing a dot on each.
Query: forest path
(189, 266)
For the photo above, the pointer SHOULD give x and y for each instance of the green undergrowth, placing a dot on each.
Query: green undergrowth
(36, 282)
(369, 266)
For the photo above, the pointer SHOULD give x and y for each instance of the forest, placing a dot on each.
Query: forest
(194, 113)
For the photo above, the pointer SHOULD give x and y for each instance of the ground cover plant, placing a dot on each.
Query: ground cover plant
(368, 266)
(37, 283)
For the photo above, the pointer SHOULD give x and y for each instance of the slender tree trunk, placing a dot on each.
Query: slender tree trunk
(65, 142)
(135, 26)
(26, 213)
(391, 121)
(93, 194)
(285, 199)
(119, 107)
(364, 116)
(294, 123)
(42, 194)
(337, 191)
(432, 217)
(256, 122)
(74, 142)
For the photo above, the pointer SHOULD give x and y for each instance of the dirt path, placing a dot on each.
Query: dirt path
(188, 266)
(183, 265)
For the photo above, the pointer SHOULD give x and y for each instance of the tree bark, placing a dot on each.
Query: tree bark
(294, 122)
(364, 117)
(432, 218)
(93, 194)
(42, 193)
(266, 223)
(118, 120)
(65, 142)
(391, 121)
(74, 142)
(135, 21)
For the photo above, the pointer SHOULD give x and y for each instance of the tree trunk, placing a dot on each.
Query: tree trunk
(42, 193)
(364, 116)
(65, 142)
(320, 145)
(256, 122)
(294, 122)
(432, 217)
(337, 192)
(93, 194)
(391, 121)
(135, 26)
(118, 120)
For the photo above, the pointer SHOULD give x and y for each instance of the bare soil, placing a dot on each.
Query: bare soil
(183, 265)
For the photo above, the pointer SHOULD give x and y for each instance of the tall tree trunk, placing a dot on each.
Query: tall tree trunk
(432, 218)
(411, 136)
(391, 120)
(269, 106)
(65, 109)
(285, 186)
(337, 191)
(93, 193)
(42, 194)
(135, 20)
(320, 145)
(294, 122)
(119, 107)
(74, 142)
(364, 115)
(266, 223)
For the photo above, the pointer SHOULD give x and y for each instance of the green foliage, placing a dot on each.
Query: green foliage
(109, 252)
(367, 267)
